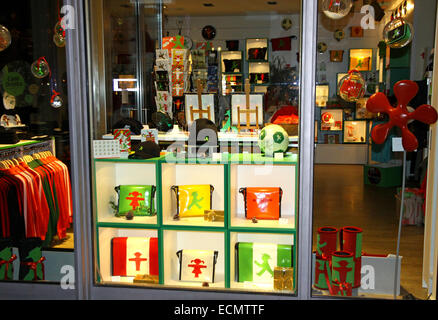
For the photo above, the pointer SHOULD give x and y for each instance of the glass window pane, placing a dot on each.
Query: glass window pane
(221, 212)
(36, 231)
(368, 63)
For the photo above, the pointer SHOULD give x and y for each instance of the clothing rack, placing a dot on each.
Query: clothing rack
(27, 149)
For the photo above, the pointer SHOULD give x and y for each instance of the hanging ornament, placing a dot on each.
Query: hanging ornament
(352, 87)
(59, 35)
(400, 116)
(40, 68)
(336, 9)
(339, 34)
(59, 41)
(56, 100)
(5, 38)
(398, 33)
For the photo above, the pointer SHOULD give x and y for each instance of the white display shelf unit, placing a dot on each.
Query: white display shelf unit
(227, 176)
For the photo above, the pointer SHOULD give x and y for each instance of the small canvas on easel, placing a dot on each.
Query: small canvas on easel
(243, 117)
(199, 106)
(194, 112)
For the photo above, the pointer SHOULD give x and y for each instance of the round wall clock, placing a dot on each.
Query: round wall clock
(209, 32)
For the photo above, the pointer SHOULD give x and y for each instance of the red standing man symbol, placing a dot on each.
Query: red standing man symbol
(137, 260)
(136, 198)
(343, 271)
(197, 267)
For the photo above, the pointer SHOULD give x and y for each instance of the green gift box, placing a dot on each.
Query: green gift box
(31, 259)
(256, 262)
(136, 198)
(6, 260)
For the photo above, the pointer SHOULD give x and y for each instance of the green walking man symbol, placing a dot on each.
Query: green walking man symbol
(195, 201)
(264, 265)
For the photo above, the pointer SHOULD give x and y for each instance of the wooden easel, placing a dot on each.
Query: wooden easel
(200, 111)
(247, 111)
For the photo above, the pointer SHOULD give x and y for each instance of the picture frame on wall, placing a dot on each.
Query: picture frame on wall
(331, 139)
(348, 114)
(322, 95)
(361, 112)
(336, 55)
(355, 131)
(332, 120)
(361, 59)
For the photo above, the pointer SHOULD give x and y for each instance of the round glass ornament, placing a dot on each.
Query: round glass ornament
(398, 33)
(336, 9)
(5, 38)
(56, 101)
(40, 68)
(59, 41)
(352, 87)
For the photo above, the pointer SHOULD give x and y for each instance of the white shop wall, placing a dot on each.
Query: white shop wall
(240, 28)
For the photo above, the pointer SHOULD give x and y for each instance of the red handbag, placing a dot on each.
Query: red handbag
(262, 203)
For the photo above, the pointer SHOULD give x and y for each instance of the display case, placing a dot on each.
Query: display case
(355, 132)
(198, 251)
(322, 95)
(331, 119)
(257, 57)
(232, 70)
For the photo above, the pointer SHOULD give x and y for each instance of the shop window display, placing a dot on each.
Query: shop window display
(36, 201)
(376, 91)
(216, 208)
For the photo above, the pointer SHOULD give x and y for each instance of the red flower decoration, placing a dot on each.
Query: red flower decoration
(404, 91)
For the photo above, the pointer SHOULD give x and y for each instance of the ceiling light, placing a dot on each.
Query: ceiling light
(208, 4)
(272, 3)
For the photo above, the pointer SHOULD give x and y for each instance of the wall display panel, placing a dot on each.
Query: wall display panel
(322, 95)
(331, 119)
(257, 49)
(361, 59)
(355, 132)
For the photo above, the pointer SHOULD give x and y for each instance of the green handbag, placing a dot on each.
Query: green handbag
(136, 198)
